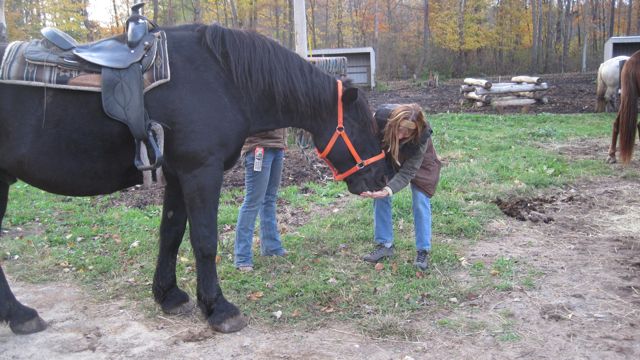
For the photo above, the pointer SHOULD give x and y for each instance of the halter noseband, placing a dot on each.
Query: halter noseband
(360, 164)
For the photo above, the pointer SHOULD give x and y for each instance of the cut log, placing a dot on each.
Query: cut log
(514, 88)
(527, 79)
(474, 96)
(479, 82)
(531, 94)
(512, 102)
(467, 88)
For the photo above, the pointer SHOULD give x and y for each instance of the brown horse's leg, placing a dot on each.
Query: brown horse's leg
(614, 140)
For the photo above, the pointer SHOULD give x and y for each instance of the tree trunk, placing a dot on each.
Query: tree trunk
(197, 11)
(156, 9)
(339, 25)
(312, 21)
(422, 61)
(234, 13)
(612, 17)
(376, 24)
(115, 13)
(4, 37)
(91, 26)
(534, 35)
(628, 32)
(460, 64)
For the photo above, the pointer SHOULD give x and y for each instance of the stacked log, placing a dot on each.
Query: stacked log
(521, 91)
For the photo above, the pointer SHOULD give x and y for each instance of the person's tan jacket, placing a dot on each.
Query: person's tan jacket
(267, 139)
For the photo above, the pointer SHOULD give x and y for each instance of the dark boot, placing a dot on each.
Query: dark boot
(422, 260)
(379, 253)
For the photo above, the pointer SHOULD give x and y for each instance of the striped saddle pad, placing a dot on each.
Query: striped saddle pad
(17, 69)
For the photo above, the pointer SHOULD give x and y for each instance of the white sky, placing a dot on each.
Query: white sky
(100, 10)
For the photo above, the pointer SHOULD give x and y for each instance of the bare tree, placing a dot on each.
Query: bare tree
(612, 17)
(422, 60)
(3, 24)
(628, 32)
(155, 11)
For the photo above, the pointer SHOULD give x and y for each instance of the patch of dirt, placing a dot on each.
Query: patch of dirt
(568, 93)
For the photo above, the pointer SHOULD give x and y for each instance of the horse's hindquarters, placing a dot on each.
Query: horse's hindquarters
(66, 145)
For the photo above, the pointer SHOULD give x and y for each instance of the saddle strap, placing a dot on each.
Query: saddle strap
(123, 98)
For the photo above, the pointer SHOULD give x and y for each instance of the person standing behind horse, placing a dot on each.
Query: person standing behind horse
(263, 158)
(411, 158)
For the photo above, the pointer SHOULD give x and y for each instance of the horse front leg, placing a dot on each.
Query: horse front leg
(614, 140)
(21, 319)
(201, 193)
(172, 227)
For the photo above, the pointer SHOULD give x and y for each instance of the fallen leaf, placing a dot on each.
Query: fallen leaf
(255, 296)
(218, 259)
(419, 274)
(495, 272)
(379, 266)
(277, 314)
(327, 309)
(295, 313)
(394, 267)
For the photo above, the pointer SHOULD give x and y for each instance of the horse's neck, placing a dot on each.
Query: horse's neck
(314, 114)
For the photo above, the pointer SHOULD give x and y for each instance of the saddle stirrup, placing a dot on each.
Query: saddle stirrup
(143, 164)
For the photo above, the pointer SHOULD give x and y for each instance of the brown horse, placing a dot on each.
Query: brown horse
(626, 122)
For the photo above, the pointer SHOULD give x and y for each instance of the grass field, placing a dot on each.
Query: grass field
(111, 250)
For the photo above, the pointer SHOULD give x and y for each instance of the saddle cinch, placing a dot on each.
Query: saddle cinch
(122, 68)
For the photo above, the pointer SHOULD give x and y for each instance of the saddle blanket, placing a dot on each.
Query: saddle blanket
(16, 69)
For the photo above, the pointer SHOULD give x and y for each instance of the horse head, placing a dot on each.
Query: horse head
(356, 157)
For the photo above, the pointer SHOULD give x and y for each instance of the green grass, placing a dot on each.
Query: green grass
(112, 248)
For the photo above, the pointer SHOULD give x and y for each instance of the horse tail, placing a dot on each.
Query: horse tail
(600, 91)
(628, 113)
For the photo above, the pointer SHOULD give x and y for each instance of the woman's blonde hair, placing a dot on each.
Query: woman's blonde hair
(409, 116)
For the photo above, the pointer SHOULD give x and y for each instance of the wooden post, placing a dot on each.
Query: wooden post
(300, 26)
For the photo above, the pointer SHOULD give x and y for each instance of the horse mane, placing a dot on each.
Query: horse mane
(628, 113)
(261, 66)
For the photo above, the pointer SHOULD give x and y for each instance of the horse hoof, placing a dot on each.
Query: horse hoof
(182, 309)
(29, 327)
(611, 160)
(232, 324)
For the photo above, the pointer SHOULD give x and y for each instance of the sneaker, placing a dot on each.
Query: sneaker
(284, 253)
(422, 260)
(245, 268)
(380, 252)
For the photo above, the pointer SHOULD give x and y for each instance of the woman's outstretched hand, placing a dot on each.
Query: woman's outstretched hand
(375, 194)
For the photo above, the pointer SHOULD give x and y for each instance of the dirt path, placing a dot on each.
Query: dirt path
(585, 302)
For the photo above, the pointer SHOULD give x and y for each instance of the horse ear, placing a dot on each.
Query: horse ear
(349, 96)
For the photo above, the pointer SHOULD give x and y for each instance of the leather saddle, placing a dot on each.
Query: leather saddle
(121, 60)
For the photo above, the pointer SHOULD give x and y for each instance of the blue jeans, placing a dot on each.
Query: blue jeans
(261, 193)
(383, 224)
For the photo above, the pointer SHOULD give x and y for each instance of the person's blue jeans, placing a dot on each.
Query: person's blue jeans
(383, 222)
(261, 193)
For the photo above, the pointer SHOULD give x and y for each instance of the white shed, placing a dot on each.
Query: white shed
(361, 63)
(621, 45)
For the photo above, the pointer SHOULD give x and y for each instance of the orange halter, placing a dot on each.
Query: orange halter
(360, 164)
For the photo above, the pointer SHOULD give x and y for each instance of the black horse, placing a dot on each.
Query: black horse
(225, 85)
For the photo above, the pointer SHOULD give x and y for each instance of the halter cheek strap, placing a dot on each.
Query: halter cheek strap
(340, 132)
